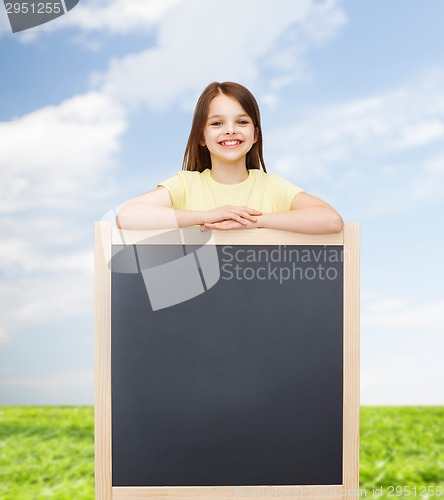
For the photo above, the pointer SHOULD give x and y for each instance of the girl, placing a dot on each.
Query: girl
(224, 183)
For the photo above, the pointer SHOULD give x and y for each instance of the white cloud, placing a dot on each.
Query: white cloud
(412, 381)
(5, 27)
(54, 163)
(42, 298)
(388, 141)
(420, 133)
(398, 313)
(21, 255)
(62, 380)
(334, 134)
(3, 335)
(430, 182)
(117, 16)
(401, 351)
(51, 155)
(200, 42)
(62, 387)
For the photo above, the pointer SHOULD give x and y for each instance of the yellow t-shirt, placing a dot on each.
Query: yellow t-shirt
(192, 190)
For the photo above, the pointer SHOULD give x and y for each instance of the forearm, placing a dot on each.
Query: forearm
(310, 220)
(139, 216)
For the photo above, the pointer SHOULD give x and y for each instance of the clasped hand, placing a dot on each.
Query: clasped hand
(230, 217)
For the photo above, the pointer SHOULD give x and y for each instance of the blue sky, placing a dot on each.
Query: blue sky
(95, 108)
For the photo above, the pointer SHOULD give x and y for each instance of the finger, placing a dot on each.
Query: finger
(247, 216)
(220, 225)
(241, 220)
(227, 224)
(235, 215)
(234, 225)
(252, 210)
(241, 216)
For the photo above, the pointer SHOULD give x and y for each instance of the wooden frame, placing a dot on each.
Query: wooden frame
(105, 236)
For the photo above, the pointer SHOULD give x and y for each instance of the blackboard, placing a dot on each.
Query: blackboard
(241, 385)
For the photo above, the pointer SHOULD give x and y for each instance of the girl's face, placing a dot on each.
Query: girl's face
(229, 133)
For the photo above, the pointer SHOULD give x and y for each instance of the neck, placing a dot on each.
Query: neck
(229, 173)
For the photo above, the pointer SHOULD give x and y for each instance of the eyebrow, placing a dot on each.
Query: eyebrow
(222, 116)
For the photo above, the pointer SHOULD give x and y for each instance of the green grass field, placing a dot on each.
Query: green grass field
(48, 452)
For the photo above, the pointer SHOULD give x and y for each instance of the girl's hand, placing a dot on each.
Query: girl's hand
(228, 224)
(231, 213)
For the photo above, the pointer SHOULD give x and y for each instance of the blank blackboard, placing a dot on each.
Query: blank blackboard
(241, 385)
(253, 383)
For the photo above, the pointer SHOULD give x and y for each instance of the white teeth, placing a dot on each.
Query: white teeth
(230, 143)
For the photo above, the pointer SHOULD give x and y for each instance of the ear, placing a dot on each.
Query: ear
(255, 135)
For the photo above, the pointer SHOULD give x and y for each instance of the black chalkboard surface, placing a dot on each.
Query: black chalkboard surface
(241, 385)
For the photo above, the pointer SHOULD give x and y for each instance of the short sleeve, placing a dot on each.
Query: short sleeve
(283, 192)
(176, 188)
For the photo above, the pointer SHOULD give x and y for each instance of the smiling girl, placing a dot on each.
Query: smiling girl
(224, 183)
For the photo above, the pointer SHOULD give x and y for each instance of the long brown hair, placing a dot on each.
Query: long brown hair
(198, 157)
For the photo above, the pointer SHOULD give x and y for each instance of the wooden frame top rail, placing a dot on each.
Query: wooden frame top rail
(222, 237)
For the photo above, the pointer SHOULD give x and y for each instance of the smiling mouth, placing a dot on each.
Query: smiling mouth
(230, 143)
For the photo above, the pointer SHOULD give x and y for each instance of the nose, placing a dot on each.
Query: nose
(230, 128)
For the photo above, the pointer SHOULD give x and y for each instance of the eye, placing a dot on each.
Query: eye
(243, 122)
(216, 123)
